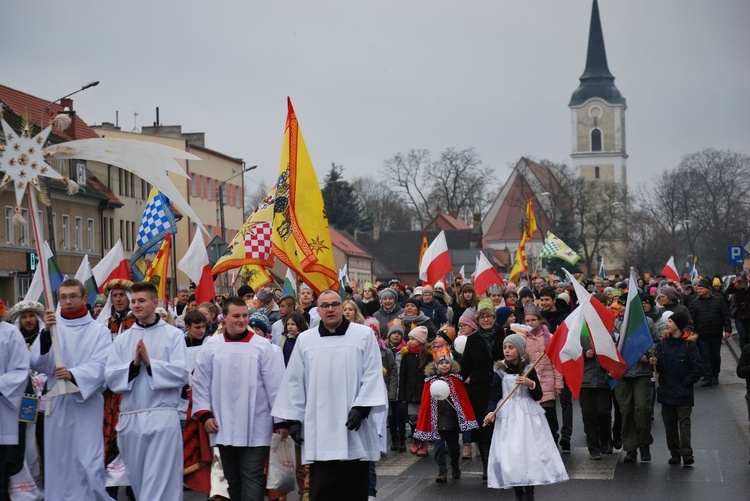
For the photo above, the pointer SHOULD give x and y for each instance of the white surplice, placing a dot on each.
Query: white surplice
(148, 433)
(73, 445)
(14, 374)
(238, 382)
(325, 378)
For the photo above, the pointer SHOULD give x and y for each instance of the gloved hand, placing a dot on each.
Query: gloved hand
(295, 431)
(354, 421)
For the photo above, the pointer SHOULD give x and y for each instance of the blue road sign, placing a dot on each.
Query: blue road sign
(736, 254)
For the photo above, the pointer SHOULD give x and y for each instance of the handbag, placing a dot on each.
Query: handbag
(281, 465)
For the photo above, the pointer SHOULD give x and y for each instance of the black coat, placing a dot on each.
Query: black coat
(680, 367)
(477, 372)
(410, 378)
(710, 316)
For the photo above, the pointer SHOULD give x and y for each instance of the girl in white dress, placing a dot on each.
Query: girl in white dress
(523, 453)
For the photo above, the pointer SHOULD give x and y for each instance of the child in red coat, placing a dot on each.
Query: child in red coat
(442, 420)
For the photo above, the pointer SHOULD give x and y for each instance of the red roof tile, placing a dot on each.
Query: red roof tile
(346, 245)
(22, 104)
(99, 186)
(446, 221)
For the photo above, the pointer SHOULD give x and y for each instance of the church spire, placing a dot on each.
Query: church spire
(597, 80)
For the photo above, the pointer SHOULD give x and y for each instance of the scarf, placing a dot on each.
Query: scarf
(488, 337)
(396, 349)
(420, 319)
(290, 335)
(79, 312)
(414, 349)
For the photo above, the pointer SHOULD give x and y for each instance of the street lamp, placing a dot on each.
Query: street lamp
(221, 198)
(93, 83)
(50, 221)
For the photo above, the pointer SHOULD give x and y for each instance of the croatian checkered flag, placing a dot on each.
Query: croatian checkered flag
(158, 220)
(258, 243)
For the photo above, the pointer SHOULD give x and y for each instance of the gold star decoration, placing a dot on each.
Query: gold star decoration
(23, 152)
(317, 245)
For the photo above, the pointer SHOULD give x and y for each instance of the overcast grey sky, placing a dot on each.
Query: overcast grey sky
(370, 79)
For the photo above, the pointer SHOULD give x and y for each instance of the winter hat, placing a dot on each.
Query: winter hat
(648, 299)
(448, 333)
(414, 301)
(440, 285)
(388, 292)
(531, 309)
(440, 296)
(716, 282)
(518, 341)
(493, 289)
(419, 334)
(263, 296)
(680, 319)
(395, 325)
(427, 289)
(617, 292)
(564, 296)
(672, 293)
(23, 307)
(373, 324)
(469, 318)
(525, 292)
(100, 299)
(368, 285)
(260, 319)
(502, 314)
(418, 291)
(704, 283)
(117, 283)
(245, 289)
(485, 304)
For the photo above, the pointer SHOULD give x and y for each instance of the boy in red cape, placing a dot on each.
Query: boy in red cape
(443, 420)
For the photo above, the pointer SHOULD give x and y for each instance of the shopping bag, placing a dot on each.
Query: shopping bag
(281, 465)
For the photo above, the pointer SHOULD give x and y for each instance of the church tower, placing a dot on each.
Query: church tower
(597, 112)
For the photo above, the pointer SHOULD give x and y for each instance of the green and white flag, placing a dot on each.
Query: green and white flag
(554, 247)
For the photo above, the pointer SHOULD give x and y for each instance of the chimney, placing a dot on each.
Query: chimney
(453, 212)
(476, 231)
(376, 231)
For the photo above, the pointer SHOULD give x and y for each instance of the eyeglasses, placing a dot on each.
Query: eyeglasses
(487, 317)
(71, 297)
(328, 306)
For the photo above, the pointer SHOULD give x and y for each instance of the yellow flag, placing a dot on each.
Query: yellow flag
(301, 238)
(531, 226)
(519, 264)
(252, 244)
(157, 273)
(255, 276)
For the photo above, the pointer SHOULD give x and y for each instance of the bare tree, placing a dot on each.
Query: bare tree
(381, 204)
(253, 197)
(456, 182)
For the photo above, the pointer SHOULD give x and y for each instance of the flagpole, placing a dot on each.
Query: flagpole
(62, 386)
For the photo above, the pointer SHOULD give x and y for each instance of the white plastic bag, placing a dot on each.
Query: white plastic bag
(281, 465)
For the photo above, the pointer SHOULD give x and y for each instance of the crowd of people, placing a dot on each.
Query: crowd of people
(133, 395)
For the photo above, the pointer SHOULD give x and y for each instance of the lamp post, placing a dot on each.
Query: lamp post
(50, 221)
(221, 198)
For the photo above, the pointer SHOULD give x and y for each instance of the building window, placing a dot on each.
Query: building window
(23, 239)
(596, 140)
(9, 225)
(596, 172)
(79, 234)
(122, 232)
(210, 192)
(54, 227)
(193, 186)
(65, 232)
(133, 234)
(127, 236)
(80, 172)
(90, 234)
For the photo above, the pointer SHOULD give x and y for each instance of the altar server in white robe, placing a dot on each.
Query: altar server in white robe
(148, 366)
(73, 445)
(333, 381)
(14, 375)
(236, 379)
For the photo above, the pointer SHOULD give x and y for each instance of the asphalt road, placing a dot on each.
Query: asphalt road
(720, 439)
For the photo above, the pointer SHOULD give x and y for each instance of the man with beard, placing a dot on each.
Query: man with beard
(118, 318)
(73, 447)
(340, 440)
(27, 316)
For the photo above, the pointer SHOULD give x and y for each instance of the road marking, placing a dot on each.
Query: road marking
(395, 464)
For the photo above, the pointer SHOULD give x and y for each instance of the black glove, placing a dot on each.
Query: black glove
(354, 421)
(295, 431)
